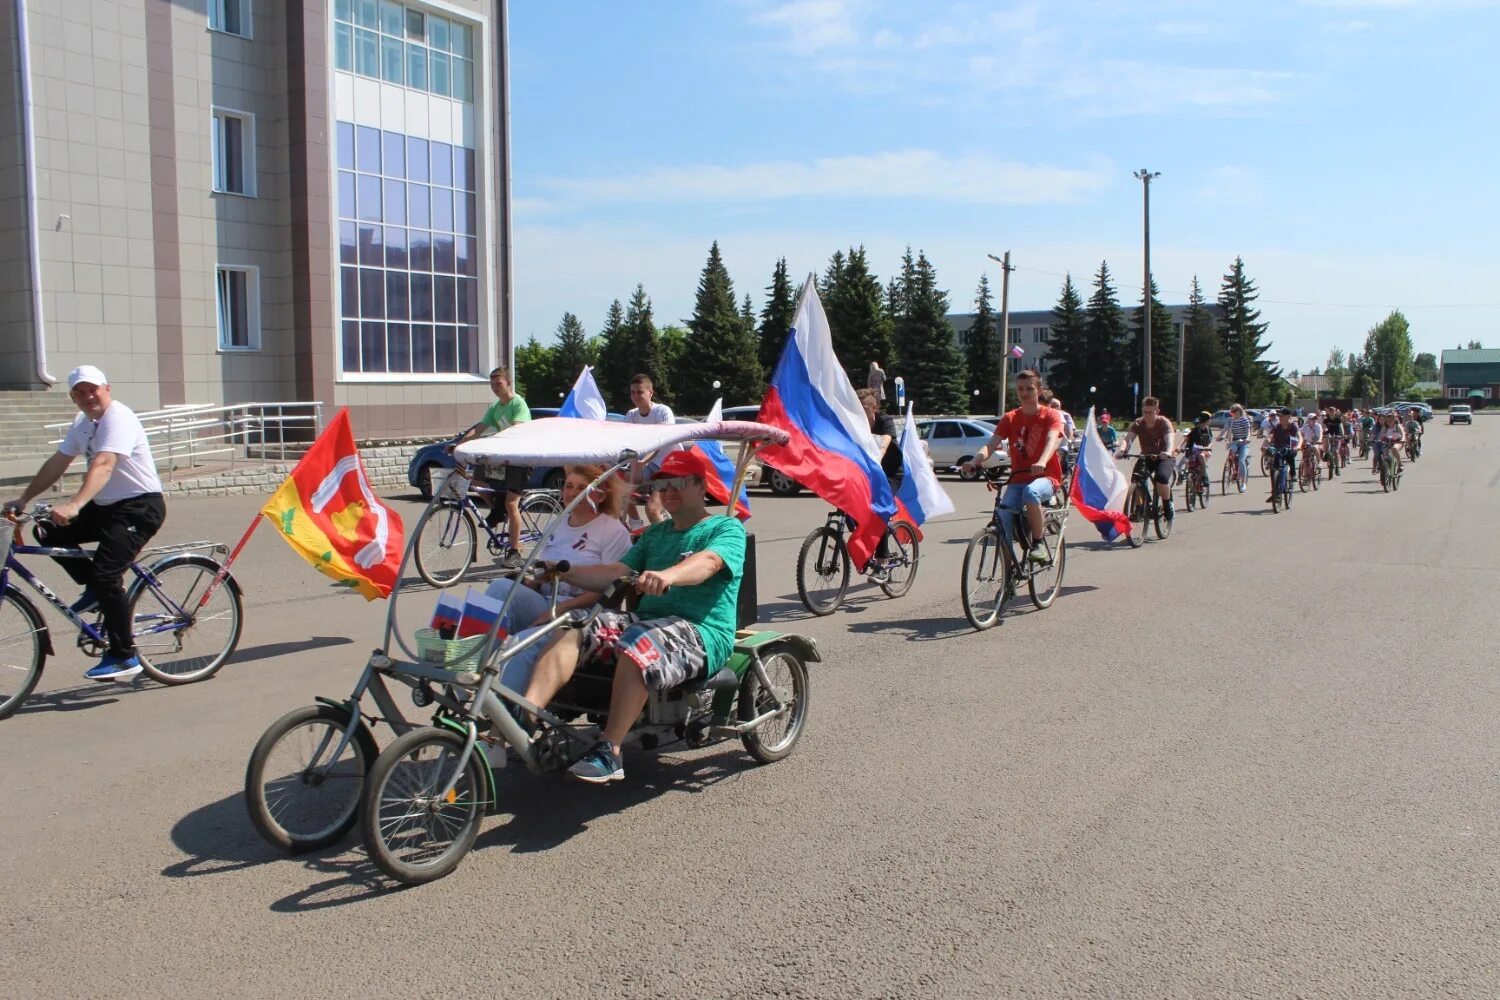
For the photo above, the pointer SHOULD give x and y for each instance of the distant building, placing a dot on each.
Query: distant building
(1470, 375)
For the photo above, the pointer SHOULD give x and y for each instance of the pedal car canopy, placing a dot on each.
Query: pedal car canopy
(570, 440)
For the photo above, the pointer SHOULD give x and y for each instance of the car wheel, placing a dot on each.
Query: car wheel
(782, 484)
(424, 480)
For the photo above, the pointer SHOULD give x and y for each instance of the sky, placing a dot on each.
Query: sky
(1346, 149)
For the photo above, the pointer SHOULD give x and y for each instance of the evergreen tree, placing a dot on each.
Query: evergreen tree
(1205, 381)
(857, 320)
(1068, 368)
(929, 361)
(982, 352)
(639, 331)
(1106, 339)
(571, 352)
(534, 373)
(776, 318)
(1251, 378)
(1163, 354)
(613, 369)
(720, 346)
(673, 340)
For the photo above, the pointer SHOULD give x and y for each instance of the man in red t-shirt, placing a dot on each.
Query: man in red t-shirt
(1033, 433)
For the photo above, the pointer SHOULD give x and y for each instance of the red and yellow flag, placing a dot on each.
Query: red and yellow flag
(327, 512)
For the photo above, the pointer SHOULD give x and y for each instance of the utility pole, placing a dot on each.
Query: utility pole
(1005, 270)
(1181, 355)
(1145, 177)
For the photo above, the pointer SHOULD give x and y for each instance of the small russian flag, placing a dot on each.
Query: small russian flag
(447, 613)
(1017, 352)
(480, 612)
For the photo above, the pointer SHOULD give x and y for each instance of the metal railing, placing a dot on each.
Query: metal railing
(189, 435)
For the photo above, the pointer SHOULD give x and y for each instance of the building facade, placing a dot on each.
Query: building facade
(223, 201)
(1471, 376)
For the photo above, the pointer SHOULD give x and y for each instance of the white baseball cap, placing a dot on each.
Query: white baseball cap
(86, 373)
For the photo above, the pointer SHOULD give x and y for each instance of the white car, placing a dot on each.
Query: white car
(1460, 414)
(952, 441)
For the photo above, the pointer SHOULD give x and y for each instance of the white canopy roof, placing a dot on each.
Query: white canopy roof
(560, 440)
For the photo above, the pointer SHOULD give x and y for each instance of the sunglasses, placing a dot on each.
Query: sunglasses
(672, 483)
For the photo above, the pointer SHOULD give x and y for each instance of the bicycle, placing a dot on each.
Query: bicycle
(1232, 472)
(1281, 484)
(1142, 506)
(446, 538)
(1413, 447)
(1390, 469)
(823, 563)
(993, 572)
(1343, 453)
(164, 623)
(1310, 472)
(1195, 483)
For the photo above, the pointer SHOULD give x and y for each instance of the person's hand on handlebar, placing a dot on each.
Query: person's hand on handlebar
(652, 582)
(64, 512)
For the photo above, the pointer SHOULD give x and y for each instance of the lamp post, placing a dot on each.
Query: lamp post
(1146, 177)
(1005, 270)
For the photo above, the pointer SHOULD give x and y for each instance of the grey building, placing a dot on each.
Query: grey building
(258, 200)
(1032, 330)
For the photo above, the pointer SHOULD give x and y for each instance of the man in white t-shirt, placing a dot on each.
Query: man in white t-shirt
(119, 506)
(645, 411)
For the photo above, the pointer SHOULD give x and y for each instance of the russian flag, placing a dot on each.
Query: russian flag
(585, 400)
(1098, 485)
(447, 613)
(920, 493)
(832, 452)
(720, 463)
(480, 613)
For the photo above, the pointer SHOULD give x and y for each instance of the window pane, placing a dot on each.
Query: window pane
(392, 18)
(346, 194)
(442, 163)
(442, 209)
(394, 162)
(442, 253)
(468, 300)
(416, 201)
(369, 198)
(416, 66)
(343, 10)
(445, 348)
(468, 349)
(234, 17)
(395, 248)
(367, 13)
(343, 47)
(372, 346)
(463, 79)
(439, 72)
(421, 250)
(421, 347)
(437, 33)
(463, 168)
(415, 28)
(392, 60)
(370, 251)
(367, 149)
(463, 214)
(351, 346)
(349, 292)
(467, 255)
(395, 202)
(345, 133)
(397, 299)
(366, 53)
(348, 243)
(421, 297)
(443, 295)
(371, 293)
(416, 159)
(398, 347)
(461, 40)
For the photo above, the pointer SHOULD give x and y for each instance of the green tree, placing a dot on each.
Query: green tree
(982, 352)
(1163, 353)
(1390, 358)
(673, 340)
(1475, 345)
(534, 373)
(1251, 377)
(1205, 381)
(1425, 367)
(928, 359)
(639, 331)
(854, 302)
(1106, 339)
(1068, 370)
(613, 368)
(571, 353)
(1337, 371)
(776, 317)
(720, 346)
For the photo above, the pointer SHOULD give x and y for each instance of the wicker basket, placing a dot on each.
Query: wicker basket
(436, 651)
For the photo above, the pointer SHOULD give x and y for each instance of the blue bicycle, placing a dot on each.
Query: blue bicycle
(186, 609)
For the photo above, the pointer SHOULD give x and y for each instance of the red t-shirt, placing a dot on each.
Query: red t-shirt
(1026, 438)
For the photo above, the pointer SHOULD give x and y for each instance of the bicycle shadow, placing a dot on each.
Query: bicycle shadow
(917, 629)
(269, 650)
(73, 699)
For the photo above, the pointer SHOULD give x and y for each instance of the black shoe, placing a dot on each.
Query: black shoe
(512, 559)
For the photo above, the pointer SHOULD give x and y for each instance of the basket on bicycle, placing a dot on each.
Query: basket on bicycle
(439, 652)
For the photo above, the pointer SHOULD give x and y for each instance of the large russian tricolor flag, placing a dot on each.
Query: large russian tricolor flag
(832, 452)
(920, 493)
(719, 461)
(1098, 485)
(585, 400)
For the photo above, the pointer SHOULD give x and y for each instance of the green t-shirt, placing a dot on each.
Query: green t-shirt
(502, 415)
(711, 605)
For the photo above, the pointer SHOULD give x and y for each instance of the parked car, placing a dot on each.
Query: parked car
(432, 457)
(1219, 420)
(775, 480)
(1424, 412)
(1461, 414)
(952, 441)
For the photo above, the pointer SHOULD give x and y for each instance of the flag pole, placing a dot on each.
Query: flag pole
(233, 555)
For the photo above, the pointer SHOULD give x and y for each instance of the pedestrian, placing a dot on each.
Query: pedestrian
(875, 382)
(645, 410)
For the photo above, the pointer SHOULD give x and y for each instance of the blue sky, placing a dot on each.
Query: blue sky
(1347, 149)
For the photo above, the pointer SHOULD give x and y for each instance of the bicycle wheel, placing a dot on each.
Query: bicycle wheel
(178, 641)
(1265, 464)
(823, 571)
(299, 795)
(985, 584)
(1226, 477)
(1046, 581)
(1138, 509)
(1385, 479)
(446, 541)
(1317, 476)
(538, 507)
(1160, 520)
(23, 650)
(1205, 488)
(413, 834)
(774, 739)
(1190, 492)
(903, 562)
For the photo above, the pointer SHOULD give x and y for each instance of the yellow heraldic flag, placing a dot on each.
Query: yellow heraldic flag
(328, 514)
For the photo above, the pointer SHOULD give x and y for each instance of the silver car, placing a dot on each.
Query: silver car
(952, 441)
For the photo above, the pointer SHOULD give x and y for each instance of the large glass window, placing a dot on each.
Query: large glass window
(234, 152)
(408, 247)
(388, 41)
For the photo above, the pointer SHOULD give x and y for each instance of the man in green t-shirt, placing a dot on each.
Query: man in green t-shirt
(689, 570)
(506, 410)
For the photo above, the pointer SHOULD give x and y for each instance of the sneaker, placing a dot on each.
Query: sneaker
(600, 765)
(512, 559)
(879, 572)
(1170, 510)
(114, 668)
(87, 601)
(1038, 554)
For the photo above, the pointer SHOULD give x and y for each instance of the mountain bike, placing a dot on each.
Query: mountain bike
(994, 568)
(1195, 483)
(446, 538)
(1281, 480)
(1390, 469)
(1310, 472)
(185, 607)
(1343, 453)
(823, 565)
(1331, 448)
(1142, 506)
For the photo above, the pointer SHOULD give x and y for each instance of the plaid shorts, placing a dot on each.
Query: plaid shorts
(668, 651)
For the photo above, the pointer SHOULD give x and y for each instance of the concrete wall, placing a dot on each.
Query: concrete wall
(17, 356)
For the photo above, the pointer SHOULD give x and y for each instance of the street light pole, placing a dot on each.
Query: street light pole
(1146, 177)
(1005, 270)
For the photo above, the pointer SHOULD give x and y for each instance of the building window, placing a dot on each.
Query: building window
(230, 16)
(238, 298)
(1041, 334)
(408, 254)
(1015, 335)
(234, 152)
(388, 41)
(1457, 391)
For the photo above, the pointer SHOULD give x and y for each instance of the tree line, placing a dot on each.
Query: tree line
(1386, 369)
(902, 323)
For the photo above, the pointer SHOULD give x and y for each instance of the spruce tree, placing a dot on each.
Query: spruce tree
(613, 369)
(928, 359)
(1251, 378)
(1205, 381)
(673, 341)
(776, 317)
(1163, 353)
(571, 353)
(1106, 338)
(639, 330)
(719, 345)
(857, 319)
(1068, 365)
(982, 352)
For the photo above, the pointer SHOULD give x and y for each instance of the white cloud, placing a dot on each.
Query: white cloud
(906, 174)
(813, 26)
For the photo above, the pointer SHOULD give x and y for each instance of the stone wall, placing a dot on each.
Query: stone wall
(385, 467)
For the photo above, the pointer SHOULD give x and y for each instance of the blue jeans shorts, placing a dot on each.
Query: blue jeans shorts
(1017, 496)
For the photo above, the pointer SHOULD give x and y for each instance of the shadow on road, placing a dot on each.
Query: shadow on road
(918, 629)
(90, 695)
(271, 649)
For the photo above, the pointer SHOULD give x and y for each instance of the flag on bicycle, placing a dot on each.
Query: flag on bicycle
(1098, 491)
(585, 400)
(832, 452)
(920, 493)
(721, 465)
(327, 513)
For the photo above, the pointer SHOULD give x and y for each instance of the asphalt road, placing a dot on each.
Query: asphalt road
(1255, 760)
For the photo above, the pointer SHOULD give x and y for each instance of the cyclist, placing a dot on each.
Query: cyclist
(1157, 436)
(1336, 427)
(1312, 439)
(119, 505)
(1195, 445)
(1237, 432)
(1035, 435)
(1366, 430)
(1413, 428)
(1283, 438)
(884, 429)
(507, 410)
(646, 411)
(1070, 430)
(1107, 434)
(1388, 434)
